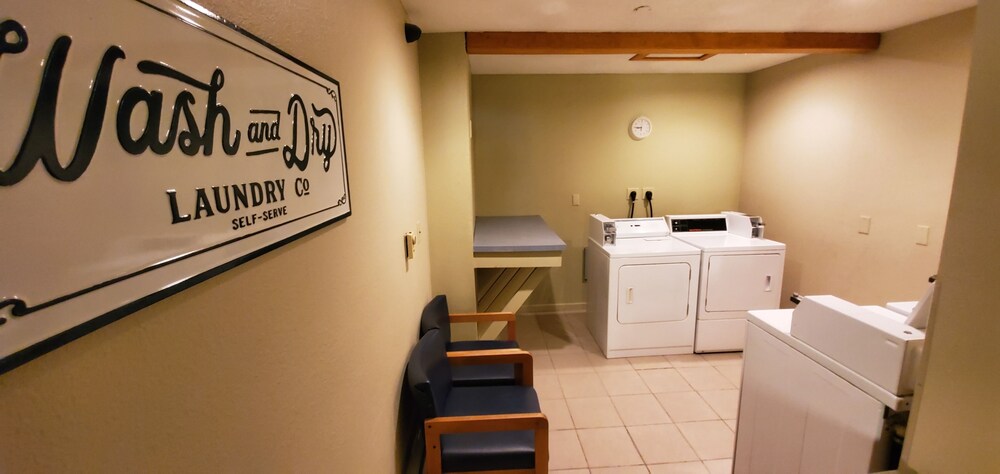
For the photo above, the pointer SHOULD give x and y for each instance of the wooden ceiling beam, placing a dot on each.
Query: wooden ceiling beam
(497, 42)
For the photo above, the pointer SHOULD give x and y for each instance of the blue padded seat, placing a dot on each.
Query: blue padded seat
(489, 451)
(435, 316)
(429, 376)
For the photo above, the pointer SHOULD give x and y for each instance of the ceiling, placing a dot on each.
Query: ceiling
(437, 16)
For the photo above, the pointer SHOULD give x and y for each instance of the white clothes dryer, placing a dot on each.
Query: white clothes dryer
(739, 273)
(641, 288)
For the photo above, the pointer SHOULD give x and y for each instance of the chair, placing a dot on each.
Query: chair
(476, 428)
(436, 316)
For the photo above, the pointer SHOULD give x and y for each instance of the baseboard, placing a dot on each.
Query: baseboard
(557, 308)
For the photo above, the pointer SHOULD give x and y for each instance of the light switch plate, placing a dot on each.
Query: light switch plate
(576, 199)
(864, 225)
(923, 234)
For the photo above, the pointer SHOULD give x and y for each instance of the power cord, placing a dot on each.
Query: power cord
(649, 199)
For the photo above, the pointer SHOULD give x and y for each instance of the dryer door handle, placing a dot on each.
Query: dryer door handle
(628, 295)
(767, 284)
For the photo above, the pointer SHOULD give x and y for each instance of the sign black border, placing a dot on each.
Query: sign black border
(51, 343)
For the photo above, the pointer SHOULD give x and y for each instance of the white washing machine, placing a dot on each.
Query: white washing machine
(641, 289)
(738, 273)
(826, 388)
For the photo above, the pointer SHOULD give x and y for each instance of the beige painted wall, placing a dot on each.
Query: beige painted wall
(539, 139)
(445, 97)
(955, 411)
(831, 138)
(292, 362)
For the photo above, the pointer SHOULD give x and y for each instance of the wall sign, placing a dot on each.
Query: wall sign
(147, 145)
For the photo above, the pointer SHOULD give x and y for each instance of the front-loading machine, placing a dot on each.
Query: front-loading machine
(642, 286)
(739, 273)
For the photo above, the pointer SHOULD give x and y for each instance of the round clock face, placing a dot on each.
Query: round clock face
(641, 128)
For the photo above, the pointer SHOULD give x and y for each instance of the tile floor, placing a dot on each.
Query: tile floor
(661, 414)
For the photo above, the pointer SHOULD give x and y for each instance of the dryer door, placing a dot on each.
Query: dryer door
(743, 282)
(653, 293)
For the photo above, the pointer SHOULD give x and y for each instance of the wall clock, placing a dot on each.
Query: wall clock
(641, 128)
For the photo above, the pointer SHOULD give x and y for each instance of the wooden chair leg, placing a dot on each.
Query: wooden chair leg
(432, 462)
(542, 447)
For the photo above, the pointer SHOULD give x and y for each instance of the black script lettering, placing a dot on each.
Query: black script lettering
(297, 109)
(259, 132)
(324, 142)
(150, 133)
(39, 142)
(190, 140)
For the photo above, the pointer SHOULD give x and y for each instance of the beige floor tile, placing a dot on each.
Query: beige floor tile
(724, 402)
(535, 347)
(623, 382)
(603, 364)
(582, 385)
(705, 378)
(710, 439)
(565, 349)
(588, 344)
(608, 447)
(571, 471)
(687, 360)
(565, 451)
(686, 406)
(719, 466)
(692, 467)
(649, 362)
(642, 409)
(661, 444)
(664, 380)
(620, 470)
(548, 386)
(732, 373)
(724, 358)
(731, 424)
(571, 363)
(557, 338)
(556, 410)
(542, 364)
(596, 412)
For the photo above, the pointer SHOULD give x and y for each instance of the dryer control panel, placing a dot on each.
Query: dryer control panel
(698, 223)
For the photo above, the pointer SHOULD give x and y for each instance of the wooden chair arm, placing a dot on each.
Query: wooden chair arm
(480, 423)
(511, 319)
(435, 427)
(520, 358)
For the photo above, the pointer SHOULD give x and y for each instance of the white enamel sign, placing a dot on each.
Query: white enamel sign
(146, 146)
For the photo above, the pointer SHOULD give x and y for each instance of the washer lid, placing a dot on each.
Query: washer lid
(724, 241)
(650, 247)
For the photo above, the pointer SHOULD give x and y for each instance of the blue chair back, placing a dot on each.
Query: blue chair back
(429, 374)
(435, 316)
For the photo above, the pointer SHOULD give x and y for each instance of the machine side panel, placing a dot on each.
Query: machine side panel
(797, 416)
